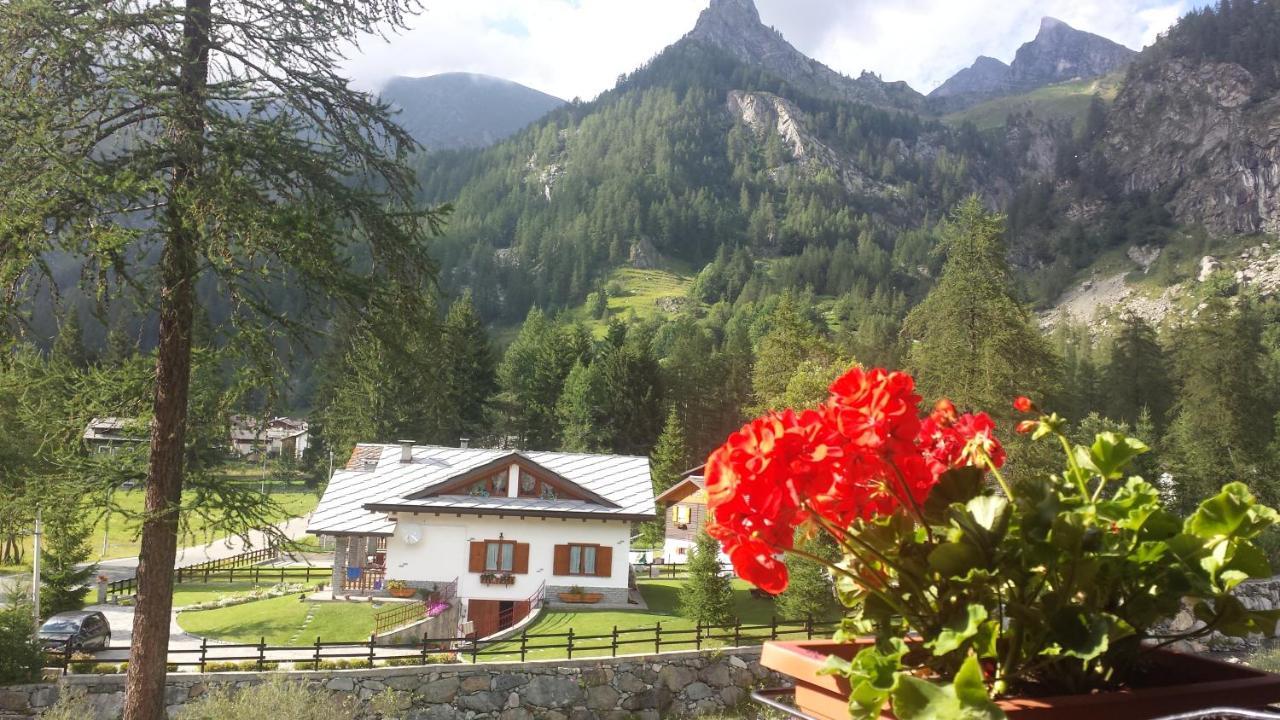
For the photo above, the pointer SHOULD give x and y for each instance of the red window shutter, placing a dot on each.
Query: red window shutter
(561, 565)
(476, 563)
(604, 561)
(521, 562)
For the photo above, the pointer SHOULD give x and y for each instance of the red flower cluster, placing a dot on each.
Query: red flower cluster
(864, 453)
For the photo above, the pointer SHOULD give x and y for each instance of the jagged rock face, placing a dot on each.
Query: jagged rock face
(1194, 128)
(734, 26)
(1060, 52)
(767, 113)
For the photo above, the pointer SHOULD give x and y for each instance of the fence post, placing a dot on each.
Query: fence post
(231, 575)
(372, 637)
(737, 632)
(697, 635)
(317, 666)
(204, 651)
(657, 638)
(424, 648)
(262, 651)
(66, 658)
(570, 643)
(808, 626)
(613, 652)
(475, 649)
(773, 627)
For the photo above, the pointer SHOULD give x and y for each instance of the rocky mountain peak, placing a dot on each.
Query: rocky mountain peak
(735, 27)
(1048, 24)
(1060, 52)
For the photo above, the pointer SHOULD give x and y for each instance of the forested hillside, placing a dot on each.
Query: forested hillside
(714, 237)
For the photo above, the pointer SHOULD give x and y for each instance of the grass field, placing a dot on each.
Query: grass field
(1063, 100)
(638, 292)
(122, 532)
(192, 593)
(662, 597)
(283, 621)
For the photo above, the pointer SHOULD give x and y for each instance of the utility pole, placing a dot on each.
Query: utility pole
(35, 570)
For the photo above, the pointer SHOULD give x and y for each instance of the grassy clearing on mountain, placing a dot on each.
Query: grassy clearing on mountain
(1063, 100)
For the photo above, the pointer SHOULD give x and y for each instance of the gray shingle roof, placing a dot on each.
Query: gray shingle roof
(620, 479)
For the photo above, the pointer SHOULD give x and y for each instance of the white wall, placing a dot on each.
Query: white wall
(443, 552)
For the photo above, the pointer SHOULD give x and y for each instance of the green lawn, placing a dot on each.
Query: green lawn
(283, 621)
(662, 598)
(122, 532)
(193, 593)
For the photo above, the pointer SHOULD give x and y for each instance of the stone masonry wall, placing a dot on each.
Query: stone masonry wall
(637, 687)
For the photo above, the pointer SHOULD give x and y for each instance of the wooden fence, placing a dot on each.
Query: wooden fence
(244, 567)
(669, 570)
(620, 640)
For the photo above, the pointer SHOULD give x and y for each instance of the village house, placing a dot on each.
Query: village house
(507, 529)
(685, 515)
(281, 437)
(108, 434)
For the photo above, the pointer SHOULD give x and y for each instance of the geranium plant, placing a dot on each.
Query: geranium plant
(972, 586)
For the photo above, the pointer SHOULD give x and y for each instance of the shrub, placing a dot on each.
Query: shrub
(432, 659)
(276, 699)
(20, 657)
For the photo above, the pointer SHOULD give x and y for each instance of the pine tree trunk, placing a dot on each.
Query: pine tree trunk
(144, 685)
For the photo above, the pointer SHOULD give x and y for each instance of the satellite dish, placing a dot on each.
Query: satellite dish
(412, 534)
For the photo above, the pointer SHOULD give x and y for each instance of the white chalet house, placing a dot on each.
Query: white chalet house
(509, 528)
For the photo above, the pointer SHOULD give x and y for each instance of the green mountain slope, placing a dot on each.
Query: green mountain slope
(1068, 100)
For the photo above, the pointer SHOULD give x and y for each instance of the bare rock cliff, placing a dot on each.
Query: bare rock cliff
(1194, 132)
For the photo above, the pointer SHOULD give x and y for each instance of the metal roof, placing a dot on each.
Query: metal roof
(344, 508)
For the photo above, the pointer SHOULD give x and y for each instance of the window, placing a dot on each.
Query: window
(582, 559)
(528, 484)
(680, 514)
(480, 489)
(499, 556)
(498, 481)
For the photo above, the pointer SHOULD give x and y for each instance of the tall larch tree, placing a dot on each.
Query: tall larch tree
(1136, 374)
(970, 339)
(470, 374)
(223, 141)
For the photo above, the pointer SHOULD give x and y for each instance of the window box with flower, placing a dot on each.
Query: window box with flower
(400, 589)
(490, 578)
(968, 596)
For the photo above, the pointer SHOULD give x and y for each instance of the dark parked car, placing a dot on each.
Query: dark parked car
(81, 630)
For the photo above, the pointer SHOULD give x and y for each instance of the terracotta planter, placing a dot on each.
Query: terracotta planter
(1191, 683)
(407, 592)
(581, 597)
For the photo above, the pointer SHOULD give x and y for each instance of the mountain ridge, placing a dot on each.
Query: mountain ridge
(459, 109)
(1058, 53)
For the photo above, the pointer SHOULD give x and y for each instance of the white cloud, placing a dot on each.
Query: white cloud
(579, 47)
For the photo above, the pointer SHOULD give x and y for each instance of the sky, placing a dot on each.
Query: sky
(578, 48)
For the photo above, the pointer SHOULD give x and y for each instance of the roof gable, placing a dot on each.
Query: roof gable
(463, 483)
(685, 489)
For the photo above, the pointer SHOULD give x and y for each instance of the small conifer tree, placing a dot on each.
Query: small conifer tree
(707, 596)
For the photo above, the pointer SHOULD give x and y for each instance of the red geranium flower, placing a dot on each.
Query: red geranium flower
(1022, 403)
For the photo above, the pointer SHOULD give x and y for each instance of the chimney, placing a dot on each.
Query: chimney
(464, 443)
(406, 451)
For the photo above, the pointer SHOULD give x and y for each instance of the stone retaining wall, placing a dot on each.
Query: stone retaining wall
(637, 687)
(1254, 595)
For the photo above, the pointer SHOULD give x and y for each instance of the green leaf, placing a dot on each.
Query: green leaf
(1112, 452)
(1078, 633)
(1232, 512)
(958, 485)
(954, 559)
(1250, 560)
(965, 699)
(962, 627)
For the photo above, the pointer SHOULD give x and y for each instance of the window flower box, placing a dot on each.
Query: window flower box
(583, 597)
(400, 589)
(497, 579)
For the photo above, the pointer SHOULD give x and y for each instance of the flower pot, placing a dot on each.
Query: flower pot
(581, 597)
(405, 592)
(1189, 683)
